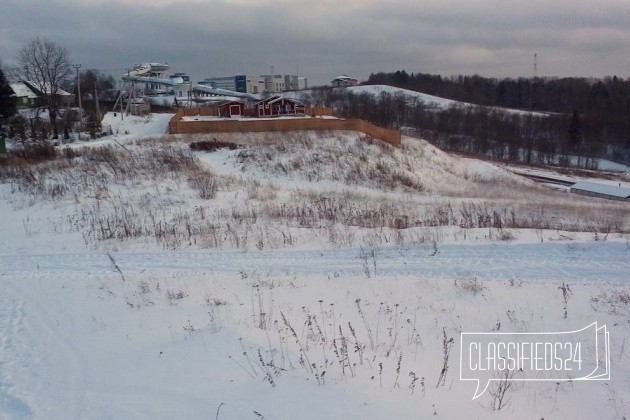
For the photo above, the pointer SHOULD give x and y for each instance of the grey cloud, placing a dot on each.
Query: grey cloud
(490, 37)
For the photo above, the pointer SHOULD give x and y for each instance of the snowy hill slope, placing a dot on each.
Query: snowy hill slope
(430, 100)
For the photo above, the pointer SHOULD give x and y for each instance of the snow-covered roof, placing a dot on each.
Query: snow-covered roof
(276, 98)
(145, 68)
(21, 90)
(344, 77)
(46, 88)
(605, 189)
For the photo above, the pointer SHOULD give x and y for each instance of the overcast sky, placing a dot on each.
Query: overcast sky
(326, 38)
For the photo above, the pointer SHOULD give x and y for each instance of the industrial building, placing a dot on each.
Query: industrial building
(240, 83)
(270, 83)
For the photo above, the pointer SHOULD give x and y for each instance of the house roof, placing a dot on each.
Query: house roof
(344, 77)
(269, 99)
(21, 90)
(277, 98)
(35, 88)
(280, 98)
(604, 189)
(229, 102)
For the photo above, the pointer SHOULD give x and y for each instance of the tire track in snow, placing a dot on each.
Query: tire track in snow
(590, 262)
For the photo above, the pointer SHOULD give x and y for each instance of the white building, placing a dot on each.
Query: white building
(254, 84)
(153, 70)
(228, 82)
(257, 84)
(283, 82)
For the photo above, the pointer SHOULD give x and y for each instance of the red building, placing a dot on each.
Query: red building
(231, 109)
(277, 106)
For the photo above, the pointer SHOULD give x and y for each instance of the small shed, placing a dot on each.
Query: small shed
(231, 109)
(276, 106)
(607, 191)
(140, 106)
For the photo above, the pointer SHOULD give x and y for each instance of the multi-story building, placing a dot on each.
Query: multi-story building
(257, 84)
(284, 82)
(228, 83)
(250, 84)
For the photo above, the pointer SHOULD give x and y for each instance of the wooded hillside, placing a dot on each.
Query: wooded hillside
(587, 118)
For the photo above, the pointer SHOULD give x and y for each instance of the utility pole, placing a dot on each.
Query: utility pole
(77, 67)
(273, 80)
(98, 108)
(129, 95)
(121, 99)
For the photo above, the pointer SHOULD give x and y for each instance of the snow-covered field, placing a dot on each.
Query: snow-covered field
(315, 276)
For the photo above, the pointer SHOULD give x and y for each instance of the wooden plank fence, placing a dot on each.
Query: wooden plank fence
(178, 126)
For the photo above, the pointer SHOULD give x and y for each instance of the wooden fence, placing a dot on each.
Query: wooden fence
(178, 126)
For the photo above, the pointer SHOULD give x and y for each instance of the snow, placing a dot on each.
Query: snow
(376, 90)
(215, 118)
(138, 329)
(410, 95)
(78, 341)
(431, 100)
(599, 188)
(23, 91)
(608, 165)
(134, 126)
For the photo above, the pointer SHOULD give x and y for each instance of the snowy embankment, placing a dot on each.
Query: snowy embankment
(124, 127)
(307, 276)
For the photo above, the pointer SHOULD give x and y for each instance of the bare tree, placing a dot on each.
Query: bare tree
(7, 99)
(46, 66)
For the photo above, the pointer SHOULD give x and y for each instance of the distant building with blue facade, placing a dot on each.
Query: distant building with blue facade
(257, 84)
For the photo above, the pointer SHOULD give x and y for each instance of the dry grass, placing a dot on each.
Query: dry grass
(160, 191)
